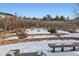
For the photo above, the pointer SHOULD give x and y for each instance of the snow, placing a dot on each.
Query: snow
(10, 34)
(37, 31)
(1, 29)
(11, 38)
(71, 35)
(73, 53)
(77, 30)
(63, 32)
(40, 45)
(67, 34)
(27, 47)
(43, 36)
(32, 46)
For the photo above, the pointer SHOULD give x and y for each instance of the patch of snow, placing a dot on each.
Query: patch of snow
(73, 53)
(77, 30)
(11, 38)
(71, 35)
(62, 32)
(43, 36)
(1, 29)
(10, 34)
(37, 31)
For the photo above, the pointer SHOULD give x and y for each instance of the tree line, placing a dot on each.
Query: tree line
(49, 17)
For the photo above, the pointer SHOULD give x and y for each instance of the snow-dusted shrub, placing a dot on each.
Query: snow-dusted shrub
(21, 34)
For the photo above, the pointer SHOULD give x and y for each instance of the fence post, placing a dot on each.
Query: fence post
(62, 49)
(53, 49)
(73, 48)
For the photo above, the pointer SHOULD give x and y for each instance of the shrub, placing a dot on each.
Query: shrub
(21, 34)
(52, 29)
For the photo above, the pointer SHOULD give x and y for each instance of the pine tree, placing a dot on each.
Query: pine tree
(62, 18)
(56, 18)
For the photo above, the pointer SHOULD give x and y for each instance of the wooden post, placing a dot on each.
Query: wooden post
(53, 49)
(62, 49)
(73, 48)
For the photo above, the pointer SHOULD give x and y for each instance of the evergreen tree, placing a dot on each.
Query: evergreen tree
(34, 18)
(49, 17)
(24, 17)
(44, 18)
(56, 18)
(62, 18)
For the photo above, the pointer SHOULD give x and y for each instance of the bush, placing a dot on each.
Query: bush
(21, 34)
(52, 29)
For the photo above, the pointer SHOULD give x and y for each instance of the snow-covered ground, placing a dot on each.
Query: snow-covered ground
(40, 45)
(71, 35)
(62, 32)
(67, 34)
(77, 30)
(11, 38)
(10, 34)
(42, 36)
(34, 46)
(37, 31)
(72, 53)
(42, 31)
(75, 35)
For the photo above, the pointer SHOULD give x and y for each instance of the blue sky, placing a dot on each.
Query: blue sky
(38, 9)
